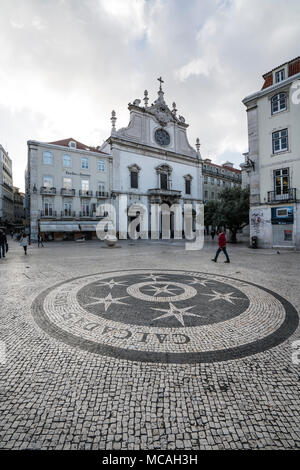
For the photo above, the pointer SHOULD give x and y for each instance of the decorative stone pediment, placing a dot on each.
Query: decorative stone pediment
(146, 121)
(134, 168)
(164, 169)
(188, 177)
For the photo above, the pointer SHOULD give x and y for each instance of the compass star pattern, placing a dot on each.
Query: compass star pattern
(228, 297)
(201, 282)
(107, 301)
(153, 278)
(178, 313)
(112, 283)
(163, 290)
(133, 298)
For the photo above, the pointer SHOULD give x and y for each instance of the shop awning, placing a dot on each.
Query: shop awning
(46, 227)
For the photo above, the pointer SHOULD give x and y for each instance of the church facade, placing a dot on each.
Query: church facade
(153, 163)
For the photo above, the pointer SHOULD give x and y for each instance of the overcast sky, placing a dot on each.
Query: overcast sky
(65, 64)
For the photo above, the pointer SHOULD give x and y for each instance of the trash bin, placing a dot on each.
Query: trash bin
(254, 242)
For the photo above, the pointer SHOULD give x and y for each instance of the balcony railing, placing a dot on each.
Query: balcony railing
(48, 214)
(67, 213)
(85, 193)
(101, 194)
(164, 192)
(288, 196)
(48, 191)
(67, 192)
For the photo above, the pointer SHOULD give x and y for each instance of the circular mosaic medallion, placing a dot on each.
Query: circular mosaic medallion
(165, 316)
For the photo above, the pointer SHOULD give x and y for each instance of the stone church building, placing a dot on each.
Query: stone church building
(153, 162)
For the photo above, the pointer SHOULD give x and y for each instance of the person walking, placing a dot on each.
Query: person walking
(213, 233)
(3, 243)
(24, 242)
(222, 246)
(40, 241)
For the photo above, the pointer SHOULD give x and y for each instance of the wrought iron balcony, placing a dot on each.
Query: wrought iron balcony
(102, 194)
(289, 195)
(164, 192)
(85, 214)
(48, 191)
(85, 193)
(68, 213)
(49, 214)
(67, 192)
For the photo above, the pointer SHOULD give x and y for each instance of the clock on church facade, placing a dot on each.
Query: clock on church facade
(162, 137)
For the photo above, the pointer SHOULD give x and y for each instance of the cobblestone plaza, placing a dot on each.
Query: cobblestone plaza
(148, 346)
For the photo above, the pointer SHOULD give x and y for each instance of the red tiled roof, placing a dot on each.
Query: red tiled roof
(278, 66)
(79, 145)
(293, 68)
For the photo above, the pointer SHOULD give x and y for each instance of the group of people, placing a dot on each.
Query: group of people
(23, 241)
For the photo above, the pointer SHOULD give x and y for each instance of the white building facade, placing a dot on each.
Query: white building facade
(273, 162)
(153, 163)
(65, 183)
(6, 190)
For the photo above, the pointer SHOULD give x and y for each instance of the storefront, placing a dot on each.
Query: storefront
(282, 219)
(68, 231)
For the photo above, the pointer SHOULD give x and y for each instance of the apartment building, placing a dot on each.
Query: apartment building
(273, 161)
(6, 190)
(218, 177)
(65, 183)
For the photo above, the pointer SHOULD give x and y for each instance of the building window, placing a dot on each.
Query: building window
(67, 161)
(187, 186)
(101, 187)
(48, 208)
(213, 195)
(218, 182)
(72, 144)
(279, 75)
(85, 185)
(67, 183)
(85, 209)
(212, 180)
(188, 180)
(164, 172)
(101, 165)
(163, 181)
(205, 195)
(281, 181)
(48, 182)
(280, 141)
(278, 103)
(67, 209)
(134, 180)
(48, 158)
(84, 163)
(205, 179)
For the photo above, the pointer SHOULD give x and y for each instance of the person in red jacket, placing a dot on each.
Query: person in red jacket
(222, 246)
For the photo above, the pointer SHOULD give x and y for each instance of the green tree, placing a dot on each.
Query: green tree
(230, 211)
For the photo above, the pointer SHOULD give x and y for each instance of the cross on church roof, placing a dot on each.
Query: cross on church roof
(161, 81)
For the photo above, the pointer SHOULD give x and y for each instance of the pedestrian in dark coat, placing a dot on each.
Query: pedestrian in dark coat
(222, 246)
(40, 240)
(3, 244)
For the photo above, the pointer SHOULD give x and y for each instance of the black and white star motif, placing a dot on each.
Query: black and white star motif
(202, 282)
(220, 296)
(153, 278)
(112, 283)
(107, 301)
(173, 311)
(162, 290)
